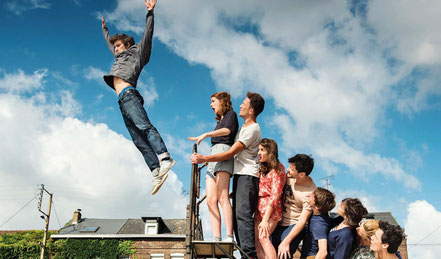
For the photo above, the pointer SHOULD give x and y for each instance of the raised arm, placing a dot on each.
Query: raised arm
(107, 36)
(145, 45)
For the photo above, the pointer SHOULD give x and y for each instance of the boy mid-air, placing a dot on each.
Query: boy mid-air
(130, 58)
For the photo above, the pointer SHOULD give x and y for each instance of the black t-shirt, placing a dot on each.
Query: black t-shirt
(230, 122)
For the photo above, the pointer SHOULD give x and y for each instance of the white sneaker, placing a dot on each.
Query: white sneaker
(165, 166)
(228, 239)
(157, 183)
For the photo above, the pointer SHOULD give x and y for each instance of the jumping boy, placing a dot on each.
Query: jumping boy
(316, 239)
(130, 58)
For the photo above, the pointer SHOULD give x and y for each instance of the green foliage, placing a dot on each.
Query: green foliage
(92, 248)
(28, 245)
(21, 244)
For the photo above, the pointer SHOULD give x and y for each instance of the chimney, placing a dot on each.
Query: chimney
(76, 216)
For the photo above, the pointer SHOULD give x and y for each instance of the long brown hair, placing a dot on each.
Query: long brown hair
(273, 156)
(226, 105)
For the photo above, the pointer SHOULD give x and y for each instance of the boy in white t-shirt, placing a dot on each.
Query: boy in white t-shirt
(246, 172)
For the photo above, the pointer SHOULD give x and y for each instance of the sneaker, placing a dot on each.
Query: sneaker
(228, 239)
(157, 183)
(165, 166)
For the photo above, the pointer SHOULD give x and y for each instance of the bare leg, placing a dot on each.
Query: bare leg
(213, 209)
(265, 242)
(223, 188)
(259, 249)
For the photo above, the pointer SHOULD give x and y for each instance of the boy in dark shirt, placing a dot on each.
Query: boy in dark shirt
(315, 242)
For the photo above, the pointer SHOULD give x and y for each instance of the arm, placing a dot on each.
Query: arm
(145, 45)
(323, 249)
(236, 148)
(277, 183)
(214, 133)
(107, 36)
(263, 226)
(284, 245)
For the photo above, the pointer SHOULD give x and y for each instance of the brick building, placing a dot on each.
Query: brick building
(154, 237)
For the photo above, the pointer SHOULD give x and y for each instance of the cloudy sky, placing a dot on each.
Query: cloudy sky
(354, 83)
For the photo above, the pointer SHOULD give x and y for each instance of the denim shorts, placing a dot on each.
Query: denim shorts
(222, 166)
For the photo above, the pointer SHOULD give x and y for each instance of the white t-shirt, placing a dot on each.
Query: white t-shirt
(245, 160)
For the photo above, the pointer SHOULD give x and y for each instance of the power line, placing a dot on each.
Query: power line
(426, 236)
(18, 211)
(53, 204)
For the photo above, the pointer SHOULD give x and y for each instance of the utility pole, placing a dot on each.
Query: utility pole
(45, 217)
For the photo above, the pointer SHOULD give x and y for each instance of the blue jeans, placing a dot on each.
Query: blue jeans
(145, 137)
(245, 195)
(281, 232)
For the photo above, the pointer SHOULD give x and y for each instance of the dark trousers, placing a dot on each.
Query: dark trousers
(281, 232)
(145, 137)
(245, 195)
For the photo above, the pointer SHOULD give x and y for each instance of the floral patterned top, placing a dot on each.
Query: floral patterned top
(270, 193)
(362, 252)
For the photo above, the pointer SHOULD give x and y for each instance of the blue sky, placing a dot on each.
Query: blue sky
(355, 84)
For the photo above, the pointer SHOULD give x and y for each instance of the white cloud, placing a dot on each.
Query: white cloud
(147, 89)
(407, 29)
(318, 61)
(19, 82)
(94, 73)
(85, 165)
(423, 228)
(19, 6)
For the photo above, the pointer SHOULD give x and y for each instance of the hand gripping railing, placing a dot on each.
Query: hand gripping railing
(193, 222)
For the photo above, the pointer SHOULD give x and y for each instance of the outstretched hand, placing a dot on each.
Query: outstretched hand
(104, 22)
(150, 4)
(199, 138)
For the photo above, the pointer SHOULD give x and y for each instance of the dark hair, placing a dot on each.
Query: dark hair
(256, 102)
(226, 106)
(392, 235)
(324, 199)
(304, 163)
(273, 156)
(354, 211)
(126, 39)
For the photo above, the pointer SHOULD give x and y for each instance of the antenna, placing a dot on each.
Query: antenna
(327, 180)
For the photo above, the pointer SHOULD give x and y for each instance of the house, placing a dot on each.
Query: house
(154, 237)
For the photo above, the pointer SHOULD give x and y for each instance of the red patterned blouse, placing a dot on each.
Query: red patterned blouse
(270, 193)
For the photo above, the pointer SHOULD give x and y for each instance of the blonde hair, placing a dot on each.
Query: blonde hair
(370, 226)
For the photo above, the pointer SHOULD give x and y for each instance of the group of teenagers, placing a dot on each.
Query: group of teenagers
(272, 211)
